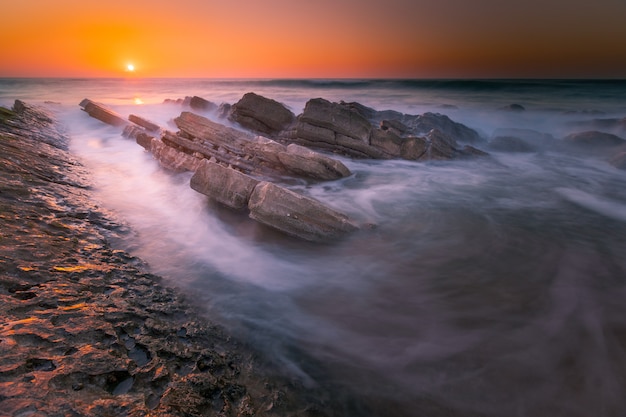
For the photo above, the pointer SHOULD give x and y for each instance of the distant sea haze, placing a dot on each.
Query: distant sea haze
(488, 287)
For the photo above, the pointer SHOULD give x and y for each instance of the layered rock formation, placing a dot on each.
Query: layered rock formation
(358, 131)
(230, 165)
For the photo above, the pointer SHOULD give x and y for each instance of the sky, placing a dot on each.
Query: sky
(314, 39)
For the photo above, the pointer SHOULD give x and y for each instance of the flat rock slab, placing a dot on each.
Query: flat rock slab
(297, 215)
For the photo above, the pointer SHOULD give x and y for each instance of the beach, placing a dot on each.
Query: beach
(483, 285)
(86, 330)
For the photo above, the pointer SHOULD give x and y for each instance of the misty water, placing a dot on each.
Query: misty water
(492, 286)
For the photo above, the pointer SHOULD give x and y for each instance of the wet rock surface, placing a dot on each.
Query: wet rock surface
(87, 331)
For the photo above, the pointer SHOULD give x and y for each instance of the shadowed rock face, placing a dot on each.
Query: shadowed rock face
(86, 331)
(359, 131)
(260, 114)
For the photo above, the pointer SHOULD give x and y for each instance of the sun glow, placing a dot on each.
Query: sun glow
(130, 68)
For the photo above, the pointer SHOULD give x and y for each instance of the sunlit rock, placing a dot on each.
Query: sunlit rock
(146, 124)
(98, 111)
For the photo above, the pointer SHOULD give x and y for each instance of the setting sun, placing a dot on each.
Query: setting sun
(130, 68)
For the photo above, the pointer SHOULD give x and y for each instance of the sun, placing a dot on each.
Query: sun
(130, 68)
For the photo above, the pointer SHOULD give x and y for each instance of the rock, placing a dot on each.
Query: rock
(98, 111)
(223, 110)
(146, 124)
(470, 151)
(173, 159)
(303, 161)
(255, 155)
(510, 144)
(297, 215)
(619, 160)
(610, 125)
(339, 127)
(144, 140)
(201, 104)
(225, 185)
(339, 118)
(593, 139)
(395, 126)
(413, 148)
(513, 107)
(261, 114)
(388, 141)
(424, 123)
(439, 146)
(530, 136)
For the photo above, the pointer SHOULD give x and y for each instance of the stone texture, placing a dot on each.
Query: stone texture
(201, 104)
(303, 161)
(225, 185)
(98, 111)
(172, 158)
(297, 215)
(424, 123)
(146, 124)
(261, 114)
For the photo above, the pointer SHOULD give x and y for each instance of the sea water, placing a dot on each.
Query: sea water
(487, 287)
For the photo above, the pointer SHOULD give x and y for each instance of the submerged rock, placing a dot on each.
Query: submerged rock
(593, 139)
(619, 160)
(510, 144)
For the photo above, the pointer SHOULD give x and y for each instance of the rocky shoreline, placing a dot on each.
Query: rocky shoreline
(86, 330)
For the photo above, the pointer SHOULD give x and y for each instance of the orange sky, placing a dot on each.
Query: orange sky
(322, 38)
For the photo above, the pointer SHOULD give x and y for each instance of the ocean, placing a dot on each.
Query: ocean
(488, 287)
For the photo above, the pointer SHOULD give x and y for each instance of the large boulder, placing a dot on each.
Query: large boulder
(297, 215)
(261, 114)
(202, 104)
(334, 123)
(225, 185)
